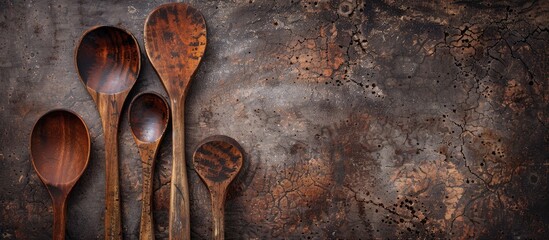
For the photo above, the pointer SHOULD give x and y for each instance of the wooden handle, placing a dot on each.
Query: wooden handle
(179, 195)
(59, 217)
(109, 108)
(218, 212)
(148, 153)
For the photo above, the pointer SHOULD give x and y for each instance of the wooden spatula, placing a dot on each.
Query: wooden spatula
(175, 41)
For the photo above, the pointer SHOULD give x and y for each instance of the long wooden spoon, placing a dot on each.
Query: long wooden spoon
(217, 161)
(60, 151)
(175, 41)
(108, 61)
(149, 114)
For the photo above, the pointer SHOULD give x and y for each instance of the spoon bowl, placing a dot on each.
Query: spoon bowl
(108, 61)
(60, 150)
(149, 114)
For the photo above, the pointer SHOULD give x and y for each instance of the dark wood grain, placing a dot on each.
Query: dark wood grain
(217, 161)
(148, 115)
(175, 41)
(60, 151)
(108, 61)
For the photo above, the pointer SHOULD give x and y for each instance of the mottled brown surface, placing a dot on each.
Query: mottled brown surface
(218, 161)
(360, 119)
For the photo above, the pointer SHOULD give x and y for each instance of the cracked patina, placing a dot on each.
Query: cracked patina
(360, 119)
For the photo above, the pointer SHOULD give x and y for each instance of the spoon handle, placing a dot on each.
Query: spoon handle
(59, 216)
(218, 194)
(179, 193)
(109, 108)
(148, 153)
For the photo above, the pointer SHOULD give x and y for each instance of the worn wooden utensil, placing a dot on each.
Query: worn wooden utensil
(60, 150)
(108, 61)
(217, 160)
(175, 41)
(149, 115)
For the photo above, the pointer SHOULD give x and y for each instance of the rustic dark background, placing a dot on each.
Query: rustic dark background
(360, 119)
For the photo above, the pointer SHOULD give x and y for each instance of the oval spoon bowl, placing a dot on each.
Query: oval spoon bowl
(149, 114)
(107, 59)
(60, 147)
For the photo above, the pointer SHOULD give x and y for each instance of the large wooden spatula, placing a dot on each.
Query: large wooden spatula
(175, 41)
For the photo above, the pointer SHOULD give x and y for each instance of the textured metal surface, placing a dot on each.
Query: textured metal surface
(360, 119)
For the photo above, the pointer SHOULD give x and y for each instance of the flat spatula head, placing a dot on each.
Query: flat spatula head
(175, 41)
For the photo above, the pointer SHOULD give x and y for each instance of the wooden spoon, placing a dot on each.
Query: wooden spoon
(60, 151)
(218, 160)
(175, 41)
(108, 61)
(149, 114)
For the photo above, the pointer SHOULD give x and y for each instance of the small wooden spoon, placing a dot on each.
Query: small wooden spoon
(175, 41)
(60, 150)
(217, 161)
(149, 114)
(108, 61)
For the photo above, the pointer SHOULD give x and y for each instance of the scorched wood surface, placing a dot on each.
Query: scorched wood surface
(359, 119)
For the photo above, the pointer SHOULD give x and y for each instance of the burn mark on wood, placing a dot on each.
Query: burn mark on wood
(218, 160)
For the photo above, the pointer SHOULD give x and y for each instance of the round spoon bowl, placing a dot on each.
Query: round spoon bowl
(217, 160)
(60, 147)
(108, 59)
(149, 115)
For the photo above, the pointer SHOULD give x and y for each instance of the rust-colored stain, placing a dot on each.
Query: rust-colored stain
(359, 119)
